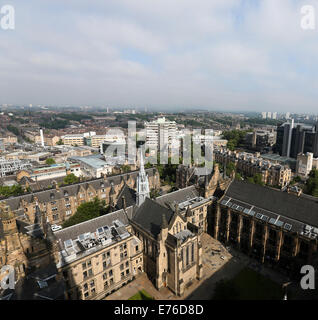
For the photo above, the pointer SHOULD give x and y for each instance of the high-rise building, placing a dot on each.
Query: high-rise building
(292, 140)
(263, 115)
(269, 115)
(274, 115)
(287, 116)
(161, 134)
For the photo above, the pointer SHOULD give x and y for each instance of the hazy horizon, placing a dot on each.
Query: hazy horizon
(231, 56)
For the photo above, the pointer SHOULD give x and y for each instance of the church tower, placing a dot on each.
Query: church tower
(142, 183)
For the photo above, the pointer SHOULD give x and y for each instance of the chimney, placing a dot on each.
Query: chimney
(176, 208)
(124, 202)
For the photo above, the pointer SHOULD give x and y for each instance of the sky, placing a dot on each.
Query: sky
(229, 55)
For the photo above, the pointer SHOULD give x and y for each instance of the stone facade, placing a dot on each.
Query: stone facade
(61, 203)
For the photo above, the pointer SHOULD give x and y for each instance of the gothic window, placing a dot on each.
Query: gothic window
(192, 252)
(187, 255)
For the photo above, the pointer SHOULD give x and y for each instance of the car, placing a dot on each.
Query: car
(222, 257)
(55, 227)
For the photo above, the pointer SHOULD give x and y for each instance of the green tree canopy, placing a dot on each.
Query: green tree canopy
(312, 183)
(125, 168)
(14, 190)
(70, 178)
(87, 211)
(257, 179)
(50, 161)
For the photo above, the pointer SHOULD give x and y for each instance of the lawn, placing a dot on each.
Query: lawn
(248, 285)
(141, 295)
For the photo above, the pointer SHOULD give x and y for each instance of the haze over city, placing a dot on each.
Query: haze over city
(217, 55)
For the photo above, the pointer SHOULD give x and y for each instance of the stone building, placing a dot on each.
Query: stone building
(98, 256)
(60, 203)
(250, 165)
(276, 227)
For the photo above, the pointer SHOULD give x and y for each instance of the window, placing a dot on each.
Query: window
(84, 266)
(121, 267)
(86, 294)
(90, 272)
(106, 255)
(192, 252)
(104, 276)
(127, 271)
(85, 274)
(137, 248)
(85, 287)
(122, 274)
(187, 255)
(89, 263)
(127, 263)
(105, 284)
(111, 281)
(92, 283)
(123, 247)
(110, 273)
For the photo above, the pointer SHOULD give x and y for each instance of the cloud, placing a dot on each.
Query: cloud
(235, 54)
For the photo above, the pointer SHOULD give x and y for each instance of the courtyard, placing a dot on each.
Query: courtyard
(214, 257)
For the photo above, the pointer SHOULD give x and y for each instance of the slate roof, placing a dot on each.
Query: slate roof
(45, 195)
(130, 197)
(92, 225)
(178, 196)
(149, 216)
(303, 209)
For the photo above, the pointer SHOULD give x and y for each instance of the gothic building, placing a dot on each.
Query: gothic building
(161, 236)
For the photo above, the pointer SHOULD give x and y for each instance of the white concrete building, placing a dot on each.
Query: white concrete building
(161, 133)
(304, 164)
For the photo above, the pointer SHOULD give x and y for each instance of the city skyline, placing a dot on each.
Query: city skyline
(238, 55)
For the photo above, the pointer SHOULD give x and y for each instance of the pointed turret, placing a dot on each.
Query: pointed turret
(143, 191)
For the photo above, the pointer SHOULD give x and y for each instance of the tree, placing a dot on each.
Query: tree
(312, 183)
(154, 193)
(87, 211)
(50, 161)
(14, 190)
(238, 176)
(148, 165)
(125, 168)
(70, 179)
(230, 167)
(60, 142)
(257, 179)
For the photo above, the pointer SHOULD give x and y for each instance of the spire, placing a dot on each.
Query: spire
(142, 183)
(142, 168)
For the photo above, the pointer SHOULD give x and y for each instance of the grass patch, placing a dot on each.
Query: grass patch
(248, 285)
(141, 295)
